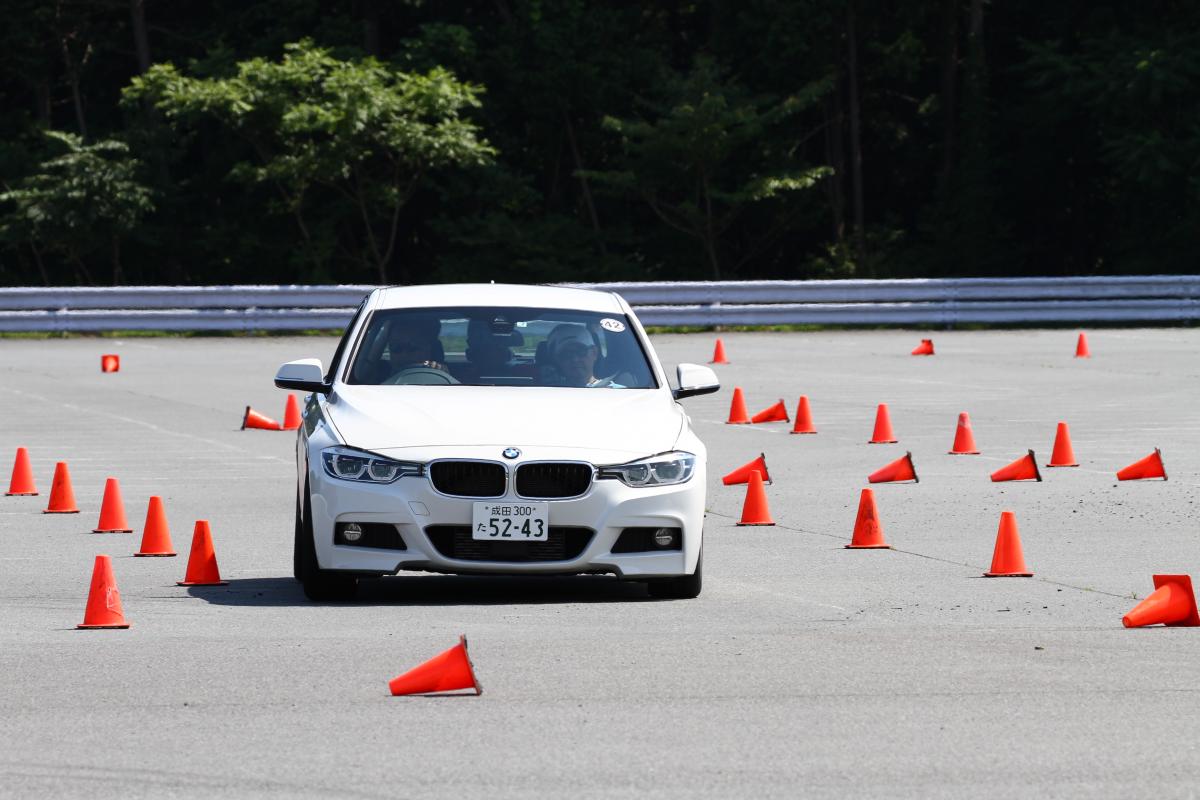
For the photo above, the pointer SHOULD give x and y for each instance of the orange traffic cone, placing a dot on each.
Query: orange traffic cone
(1024, 468)
(1172, 603)
(902, 469)
(22, 476)
(446, 672)
(776, 413)
(883, 427)
(1081, 347)
(291, 414)
(156, 537)
(1064, 454)
(62, 496)
(253, 419)
(737, 409)
(110, 363)
(202, 563)
(104, 601)
(925, 348)
(964, 438)
(112, 510)
(719, 354)
(1007, 559)
(754, 509)
(742, 473)
(1149, 467)
(804, 422)
(868, 530)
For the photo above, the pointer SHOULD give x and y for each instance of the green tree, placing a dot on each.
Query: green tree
(358, 129)
(1135, 88)
(706, 151)
(83, 200)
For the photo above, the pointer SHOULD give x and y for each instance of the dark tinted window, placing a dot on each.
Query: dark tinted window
(341, 348)
(501, 347)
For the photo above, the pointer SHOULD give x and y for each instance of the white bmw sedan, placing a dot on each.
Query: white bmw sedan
(497, 429)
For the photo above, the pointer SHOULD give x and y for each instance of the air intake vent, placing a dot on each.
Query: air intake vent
(553, 480)
(468, 478)
(562, 544)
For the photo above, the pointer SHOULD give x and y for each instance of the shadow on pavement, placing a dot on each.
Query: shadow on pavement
(433, 590)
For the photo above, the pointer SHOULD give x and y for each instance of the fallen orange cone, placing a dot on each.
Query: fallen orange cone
(156, 536)
(110, 363)
(754, 509)
(719, 354)
(804, 421)
(776, 413)
(1149, 467)
(1173, 603)
(253, 419)
(902, 469)
(964, 438)
(112, 510)
(1008, 560)
(62, 496)
(925, 348)
(22, 476)
(1081, 347)
(1064, 454)
(1024, 468)
(447, 672)
(104, 601)
(742, 473)
(883, 427)
(737, 409)
(202, 563)
(868, 530)
(291, 414)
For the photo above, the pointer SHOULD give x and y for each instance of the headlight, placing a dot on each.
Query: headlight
(359, 465)
(661, 470)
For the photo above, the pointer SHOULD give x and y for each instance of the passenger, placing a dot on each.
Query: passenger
(573, 353)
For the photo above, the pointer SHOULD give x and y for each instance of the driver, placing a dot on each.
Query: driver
(413, 343)
(573, 354)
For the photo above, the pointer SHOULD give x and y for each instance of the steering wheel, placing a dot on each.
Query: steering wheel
(420, 375)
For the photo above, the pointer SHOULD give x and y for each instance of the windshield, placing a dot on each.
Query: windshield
(479, 346)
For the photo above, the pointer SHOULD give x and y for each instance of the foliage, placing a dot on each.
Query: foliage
(704, 153)
(360, 129)
(81, 201)
(352, 140)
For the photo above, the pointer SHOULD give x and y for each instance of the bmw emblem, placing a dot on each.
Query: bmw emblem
(511, 453)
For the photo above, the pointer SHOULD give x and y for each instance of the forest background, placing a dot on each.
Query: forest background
(365, 141)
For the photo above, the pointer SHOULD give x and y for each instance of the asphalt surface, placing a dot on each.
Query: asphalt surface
(804, 669)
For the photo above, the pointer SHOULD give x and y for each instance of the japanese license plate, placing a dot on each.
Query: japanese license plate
(511, 522)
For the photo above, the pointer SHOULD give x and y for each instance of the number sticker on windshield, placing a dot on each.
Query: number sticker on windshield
(614, 325)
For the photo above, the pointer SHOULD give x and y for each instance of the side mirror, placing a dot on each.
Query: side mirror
(304, 375)
(695, 379)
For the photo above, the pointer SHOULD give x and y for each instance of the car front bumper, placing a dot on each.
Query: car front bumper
(412, 505)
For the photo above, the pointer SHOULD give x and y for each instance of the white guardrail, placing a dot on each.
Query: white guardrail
(938, 301)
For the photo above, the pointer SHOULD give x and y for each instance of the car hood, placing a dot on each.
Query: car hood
(624, 423)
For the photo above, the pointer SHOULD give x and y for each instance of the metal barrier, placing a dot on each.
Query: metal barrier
(943, 301)
(179, 308)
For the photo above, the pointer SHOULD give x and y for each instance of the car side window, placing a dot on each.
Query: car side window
(341, 348)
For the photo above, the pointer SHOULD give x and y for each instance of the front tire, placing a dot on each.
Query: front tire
(319, 584)
(685, 587)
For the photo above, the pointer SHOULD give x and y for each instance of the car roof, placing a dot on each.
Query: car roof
(456, 295)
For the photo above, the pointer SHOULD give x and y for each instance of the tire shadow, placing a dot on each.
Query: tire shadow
(434, 590)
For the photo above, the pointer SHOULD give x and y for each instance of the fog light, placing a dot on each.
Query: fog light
(352, 532)
(664, 537)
